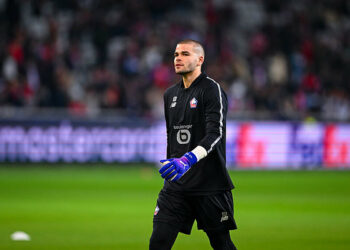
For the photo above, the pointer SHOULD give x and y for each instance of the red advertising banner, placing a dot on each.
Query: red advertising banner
(336, 146)
(262, 145)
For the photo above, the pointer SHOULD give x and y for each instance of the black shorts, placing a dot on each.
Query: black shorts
(212, 212)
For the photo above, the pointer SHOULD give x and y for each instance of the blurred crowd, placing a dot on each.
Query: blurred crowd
(279, 59)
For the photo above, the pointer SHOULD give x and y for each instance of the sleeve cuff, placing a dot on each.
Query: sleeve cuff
(199, 152)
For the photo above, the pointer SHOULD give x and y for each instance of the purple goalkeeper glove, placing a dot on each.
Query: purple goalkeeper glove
(173, 169)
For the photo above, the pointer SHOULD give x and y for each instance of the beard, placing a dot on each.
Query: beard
(190, 68)
(183, 72)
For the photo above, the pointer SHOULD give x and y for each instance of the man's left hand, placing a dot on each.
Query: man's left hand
(173, 169)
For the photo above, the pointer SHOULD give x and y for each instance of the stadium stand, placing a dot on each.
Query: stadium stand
(275, 59)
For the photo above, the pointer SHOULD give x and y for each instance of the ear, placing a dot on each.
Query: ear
(200, 60)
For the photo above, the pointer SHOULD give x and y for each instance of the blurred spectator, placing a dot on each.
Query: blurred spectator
(286, 59)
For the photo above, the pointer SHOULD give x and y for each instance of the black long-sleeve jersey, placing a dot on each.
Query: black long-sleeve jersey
(196, 116)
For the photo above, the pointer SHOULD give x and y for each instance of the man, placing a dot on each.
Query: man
(197, 185)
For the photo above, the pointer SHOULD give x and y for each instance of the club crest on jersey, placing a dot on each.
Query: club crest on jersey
(156, 210)
(193, 103)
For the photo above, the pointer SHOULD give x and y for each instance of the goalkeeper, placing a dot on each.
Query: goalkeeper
(197, 185)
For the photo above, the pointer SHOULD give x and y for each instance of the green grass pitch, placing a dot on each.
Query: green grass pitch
(111, 207)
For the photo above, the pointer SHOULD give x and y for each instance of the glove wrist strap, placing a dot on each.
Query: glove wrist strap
(191, 158)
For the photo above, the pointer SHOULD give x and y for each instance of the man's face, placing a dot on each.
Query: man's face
(185, 58)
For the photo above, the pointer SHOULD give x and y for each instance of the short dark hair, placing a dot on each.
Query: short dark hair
(196, 43)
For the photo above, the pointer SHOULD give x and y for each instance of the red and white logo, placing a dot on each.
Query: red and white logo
(156, 210)
(193, 103)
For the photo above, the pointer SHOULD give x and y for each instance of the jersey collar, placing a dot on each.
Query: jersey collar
(195, 82)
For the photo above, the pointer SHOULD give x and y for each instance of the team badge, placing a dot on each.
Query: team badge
(156, 210)
(193, 103)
